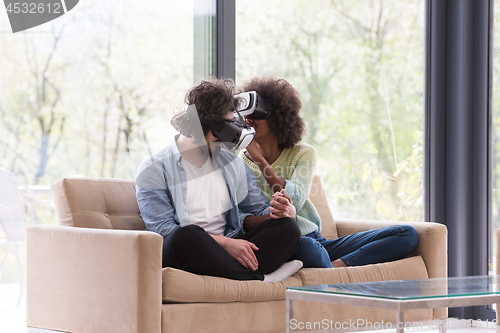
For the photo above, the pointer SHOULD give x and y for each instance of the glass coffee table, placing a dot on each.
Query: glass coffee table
(400, 295)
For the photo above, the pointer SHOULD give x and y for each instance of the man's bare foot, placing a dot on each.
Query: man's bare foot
(338, 263)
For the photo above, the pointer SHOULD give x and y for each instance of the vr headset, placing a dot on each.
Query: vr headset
(253, 106)
(233, 133)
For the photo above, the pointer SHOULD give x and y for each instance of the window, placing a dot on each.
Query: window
(359, 68)
(76, 92)
(73, 90)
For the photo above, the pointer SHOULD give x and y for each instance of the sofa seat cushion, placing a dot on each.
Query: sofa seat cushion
(181, 286)
(405, 269)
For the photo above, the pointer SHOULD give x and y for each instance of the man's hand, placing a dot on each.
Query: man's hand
(282, 206)
(242, 251)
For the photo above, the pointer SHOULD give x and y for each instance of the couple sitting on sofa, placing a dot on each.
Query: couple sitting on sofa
(247, 218)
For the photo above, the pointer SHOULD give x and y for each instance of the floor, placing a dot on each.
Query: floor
(13, 318)
(454, 326)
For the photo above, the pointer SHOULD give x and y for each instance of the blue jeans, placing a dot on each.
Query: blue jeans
(363, 248)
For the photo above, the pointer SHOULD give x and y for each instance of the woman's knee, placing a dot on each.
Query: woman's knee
(411, 236)
(312, 254)
(307, 244)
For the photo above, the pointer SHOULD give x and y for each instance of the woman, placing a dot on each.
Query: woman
(284, 167)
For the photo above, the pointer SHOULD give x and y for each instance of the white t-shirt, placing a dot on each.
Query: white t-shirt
(207, 200)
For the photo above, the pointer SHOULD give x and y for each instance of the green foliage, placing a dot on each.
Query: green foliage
(359, 68)
(76, 89)
(75, 100)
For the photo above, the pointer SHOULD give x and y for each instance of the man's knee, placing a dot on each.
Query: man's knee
(183, 236)
(290, 228)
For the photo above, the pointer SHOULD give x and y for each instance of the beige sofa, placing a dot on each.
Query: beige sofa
(100, 272)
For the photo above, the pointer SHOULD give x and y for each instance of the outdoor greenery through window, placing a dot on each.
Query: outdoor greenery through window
(74, 92)
(87, 93)
(74, 89)
(359, 68)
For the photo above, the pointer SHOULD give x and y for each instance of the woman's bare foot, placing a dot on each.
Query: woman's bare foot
(338, 263)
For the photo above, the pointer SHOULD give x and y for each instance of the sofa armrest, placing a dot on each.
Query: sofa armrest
(93, 280)
(432, 246)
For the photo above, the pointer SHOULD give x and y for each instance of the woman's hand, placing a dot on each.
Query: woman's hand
(282, 206)
(242, 251)
(254, 153)
(273, 179)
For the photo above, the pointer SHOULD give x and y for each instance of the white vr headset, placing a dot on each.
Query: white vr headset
(253, 106)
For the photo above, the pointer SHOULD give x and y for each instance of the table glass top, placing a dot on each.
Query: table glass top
(414, 289)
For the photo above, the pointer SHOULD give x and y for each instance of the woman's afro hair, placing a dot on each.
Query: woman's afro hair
(285, 121)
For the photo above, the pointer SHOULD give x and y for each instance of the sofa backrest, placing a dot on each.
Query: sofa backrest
(97, 203)
(318, 198)
(105, 203)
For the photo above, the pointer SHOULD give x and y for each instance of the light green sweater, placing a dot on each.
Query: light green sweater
(296, 166)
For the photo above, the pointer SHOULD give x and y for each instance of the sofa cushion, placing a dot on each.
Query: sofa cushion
(181, 286)
(106, 203)
(318, 198)
(97, 203)
(404, 269)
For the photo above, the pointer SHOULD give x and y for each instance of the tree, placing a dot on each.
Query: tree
(359, 68)
(45, 109)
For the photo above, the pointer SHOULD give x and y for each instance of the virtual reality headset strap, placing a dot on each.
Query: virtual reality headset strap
(233, 133)
(252, 105)
(214, 125)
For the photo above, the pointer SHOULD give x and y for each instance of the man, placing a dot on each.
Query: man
(206, 203)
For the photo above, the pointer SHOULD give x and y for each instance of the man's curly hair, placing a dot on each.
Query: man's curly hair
(285, 121)
(213, 98)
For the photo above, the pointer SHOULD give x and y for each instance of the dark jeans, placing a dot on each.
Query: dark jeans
(192, 249)
(362, 248)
